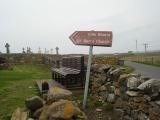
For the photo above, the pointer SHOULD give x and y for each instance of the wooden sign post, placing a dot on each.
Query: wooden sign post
(91, 38)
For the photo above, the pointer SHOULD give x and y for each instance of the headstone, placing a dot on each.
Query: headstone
(7, 48)
(29, 50)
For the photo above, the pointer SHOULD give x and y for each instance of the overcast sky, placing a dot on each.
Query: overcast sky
(49, 23)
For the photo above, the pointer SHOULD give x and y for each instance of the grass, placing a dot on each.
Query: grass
(18, 84)
(128, 69)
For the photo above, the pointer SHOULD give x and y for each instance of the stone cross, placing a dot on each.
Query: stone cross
(7, 48)
(23, 50)
(57, 49)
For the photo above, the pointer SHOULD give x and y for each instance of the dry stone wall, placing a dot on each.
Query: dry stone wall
(19, 58)
(133, 96)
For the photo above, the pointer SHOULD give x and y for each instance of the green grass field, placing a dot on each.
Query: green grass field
(18, 84)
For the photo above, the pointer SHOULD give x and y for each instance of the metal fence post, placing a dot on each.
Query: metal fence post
(87, 77)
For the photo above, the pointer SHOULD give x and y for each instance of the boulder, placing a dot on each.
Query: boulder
(19, 114)
(34, 103)
(152, 86)
(62, 109)
(133, 83)
(57, 93)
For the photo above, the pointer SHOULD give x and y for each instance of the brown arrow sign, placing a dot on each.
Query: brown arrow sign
(92, 38)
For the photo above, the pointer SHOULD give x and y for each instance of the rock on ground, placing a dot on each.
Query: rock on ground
(34, 103)
(57, 93)
(62, 109)
(19, 114)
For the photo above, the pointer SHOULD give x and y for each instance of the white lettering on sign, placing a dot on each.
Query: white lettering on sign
(99, 34)
(94, 38)
(102, 34)
(92, 34)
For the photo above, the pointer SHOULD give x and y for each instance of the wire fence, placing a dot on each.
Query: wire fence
(151, 60)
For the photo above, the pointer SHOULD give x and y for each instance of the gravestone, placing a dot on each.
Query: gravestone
(57, 50)
(23, 50)
(7, 48)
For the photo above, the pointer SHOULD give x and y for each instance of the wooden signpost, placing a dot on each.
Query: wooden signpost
(91, 38)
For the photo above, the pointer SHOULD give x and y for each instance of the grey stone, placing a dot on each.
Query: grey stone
(133, 83)
(111, 98)
(132, 93)
(150, 86)
(34, 103)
